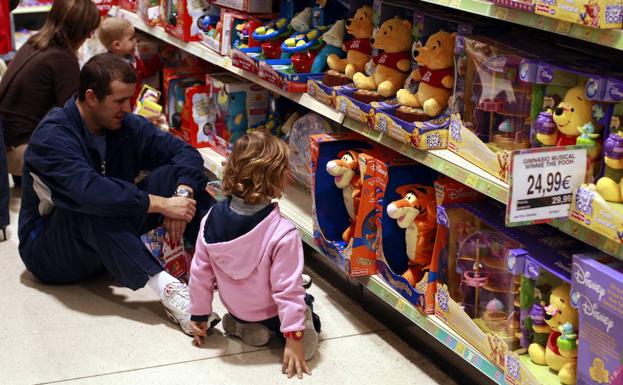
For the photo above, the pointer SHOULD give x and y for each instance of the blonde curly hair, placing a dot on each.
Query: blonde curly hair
(256, 169)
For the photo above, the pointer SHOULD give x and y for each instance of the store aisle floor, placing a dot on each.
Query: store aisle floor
(100, 333)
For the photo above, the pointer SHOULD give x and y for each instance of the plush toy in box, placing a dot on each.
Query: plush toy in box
(406, 224)
(338, 182)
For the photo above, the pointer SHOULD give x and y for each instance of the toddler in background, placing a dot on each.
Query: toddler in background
(255, 256)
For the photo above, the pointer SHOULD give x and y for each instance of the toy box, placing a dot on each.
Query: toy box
(236, 104)
(478, 275)
(181, 18)
(597, 286)
(175, 82)
(358, 49)
(423, 123)
(599, 207)
(447, 192)
(591, 13)
(570, 110)
(341, 193)
(232, 30)
(548, 320)
(406, 225)
(195, 116)
(493, 95)
(255, 6)
(150, 11)
(172, 259)
(389, 68)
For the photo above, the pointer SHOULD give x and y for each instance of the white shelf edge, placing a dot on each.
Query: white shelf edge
(23, 10)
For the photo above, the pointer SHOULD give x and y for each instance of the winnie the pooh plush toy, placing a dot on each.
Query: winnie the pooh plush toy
(610, 186)
(559, 357)
(394, 39)
(358, 49)
(435, 74)
(570, 115)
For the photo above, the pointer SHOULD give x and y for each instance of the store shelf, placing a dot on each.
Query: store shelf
(435, 327)
(607, 37)
(199, 50)
(296, 205)
(444, 161)
(23, 10)
(452, 165)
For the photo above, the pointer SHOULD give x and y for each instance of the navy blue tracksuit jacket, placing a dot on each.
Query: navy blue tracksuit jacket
(81, 214)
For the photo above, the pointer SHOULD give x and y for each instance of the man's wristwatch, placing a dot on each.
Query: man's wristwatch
(183, 192)
(296, 336)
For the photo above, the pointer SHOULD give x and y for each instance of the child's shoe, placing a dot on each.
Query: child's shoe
(310, 336)
(252, 333)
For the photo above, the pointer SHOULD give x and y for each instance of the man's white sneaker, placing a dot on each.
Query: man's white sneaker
(176, 303)
(307, 281)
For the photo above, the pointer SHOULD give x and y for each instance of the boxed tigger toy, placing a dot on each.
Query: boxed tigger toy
(406, 224)
(342, 194)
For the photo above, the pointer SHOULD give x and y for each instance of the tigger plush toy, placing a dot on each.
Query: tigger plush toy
(416, 212)
(345, 169)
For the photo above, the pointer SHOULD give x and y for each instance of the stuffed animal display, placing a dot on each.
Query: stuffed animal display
(358, 49)
(435, 74)
(558, 354)
(394, 39)
(416, 212)
(345, 170)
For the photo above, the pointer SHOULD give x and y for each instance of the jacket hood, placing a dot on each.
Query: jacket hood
(238, 258)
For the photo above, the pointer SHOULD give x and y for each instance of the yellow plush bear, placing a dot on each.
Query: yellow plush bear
(435, 74)
(358, 50)
(610, 186)
(558, 313)
(392, 65)
(572, 113)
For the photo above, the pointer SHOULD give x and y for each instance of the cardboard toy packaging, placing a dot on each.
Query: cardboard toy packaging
(343, 200)
(406, 225)
(172, 259)
(175, 82)
(404, 118)
(601, 14)
(195, 115)
(233, 30)
(524, 5)
(234, 105)
(181, 18)
(598, 289)
(251, 6)
(479, 274)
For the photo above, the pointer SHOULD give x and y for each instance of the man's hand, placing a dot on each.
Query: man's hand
(294, 359)
(200, 330)
(180, 208)
(175, 230)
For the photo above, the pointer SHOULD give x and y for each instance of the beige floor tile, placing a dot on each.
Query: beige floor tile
(379, 358)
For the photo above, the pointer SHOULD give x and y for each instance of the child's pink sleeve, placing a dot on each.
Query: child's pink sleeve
(287, 286)
(201, 282)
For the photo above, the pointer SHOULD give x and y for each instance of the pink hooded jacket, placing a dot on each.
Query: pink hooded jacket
(258, 274)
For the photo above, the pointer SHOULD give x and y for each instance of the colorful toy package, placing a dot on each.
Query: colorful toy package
(479, 275)
(591, 13)
(406, 222)
(235, 104)
(181, 18)
(172, 259)
(598, 288)
(343, 200)
(493, 97)
(175, 81)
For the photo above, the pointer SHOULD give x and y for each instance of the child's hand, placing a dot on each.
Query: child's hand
(200, 330)
(294, 359)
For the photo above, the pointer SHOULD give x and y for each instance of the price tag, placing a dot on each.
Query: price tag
(541, 183)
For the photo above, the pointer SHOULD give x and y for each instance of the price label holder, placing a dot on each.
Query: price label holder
(541, 183)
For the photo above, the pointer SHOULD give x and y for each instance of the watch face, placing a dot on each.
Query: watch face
(182, 192)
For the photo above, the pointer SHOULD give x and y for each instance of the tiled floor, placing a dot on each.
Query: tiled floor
(99, 333)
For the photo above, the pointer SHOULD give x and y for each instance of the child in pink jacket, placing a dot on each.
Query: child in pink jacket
(255, 256)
